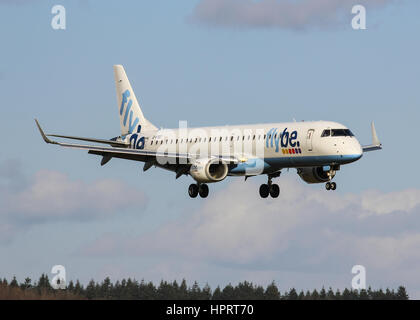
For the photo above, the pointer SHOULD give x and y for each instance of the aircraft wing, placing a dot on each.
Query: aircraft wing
(111, 142)
(125, 153)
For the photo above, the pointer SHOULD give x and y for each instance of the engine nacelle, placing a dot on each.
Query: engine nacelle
(208, 170)
(315, 174)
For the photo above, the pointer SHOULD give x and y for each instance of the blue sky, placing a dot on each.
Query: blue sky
(186, 63)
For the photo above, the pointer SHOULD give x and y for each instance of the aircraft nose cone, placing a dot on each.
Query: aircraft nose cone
(358, 151)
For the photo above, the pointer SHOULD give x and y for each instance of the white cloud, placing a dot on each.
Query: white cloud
(51, 196)
(297, 15)
(310, 231)
(378, 203)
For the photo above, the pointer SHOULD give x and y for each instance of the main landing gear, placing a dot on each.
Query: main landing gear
(330, 186)
(201, 189)
(270, 188)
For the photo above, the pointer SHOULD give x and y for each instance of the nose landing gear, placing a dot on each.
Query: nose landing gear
(270, 188)
(331, 174)
(330, 186)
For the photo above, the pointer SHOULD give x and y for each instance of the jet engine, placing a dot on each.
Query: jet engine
(208, 170)
(315, 174)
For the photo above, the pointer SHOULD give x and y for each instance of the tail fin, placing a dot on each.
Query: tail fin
(131, 116)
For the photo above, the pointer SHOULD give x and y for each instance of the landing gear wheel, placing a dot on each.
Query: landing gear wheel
(328, 186)
(264, 190)
(203, 190)
(333, 186)
(193, 190)
(274, 190)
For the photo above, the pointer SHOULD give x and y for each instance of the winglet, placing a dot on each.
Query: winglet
(375, 140)
(376, 144)
(43, 134)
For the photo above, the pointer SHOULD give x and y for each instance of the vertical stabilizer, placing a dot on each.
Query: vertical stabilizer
(131, 117)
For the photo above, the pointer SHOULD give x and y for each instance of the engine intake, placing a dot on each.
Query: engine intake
(208, 170)
(315, 174)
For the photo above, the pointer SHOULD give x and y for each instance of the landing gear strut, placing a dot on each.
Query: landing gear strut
(201, 189)
(331, 173)
(270, 188)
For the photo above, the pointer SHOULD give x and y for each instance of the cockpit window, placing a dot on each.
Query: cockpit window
(341, 133)
(326, 133)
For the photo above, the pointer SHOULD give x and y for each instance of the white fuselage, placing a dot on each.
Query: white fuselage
(276, 145)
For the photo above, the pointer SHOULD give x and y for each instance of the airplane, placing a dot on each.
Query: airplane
(317, 149)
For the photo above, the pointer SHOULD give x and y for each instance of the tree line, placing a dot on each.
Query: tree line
(128, 289)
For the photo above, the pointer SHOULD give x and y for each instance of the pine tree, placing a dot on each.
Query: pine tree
(90, 290)
(244, 291)
(315, 295)
(363, 295)
(105, 289)
(292, 295)
(330, 294)
(322, 294)
(70, 287)
(183, 290)
(402, 293)
(301, 295)
(78, 289)
(195, 291)
(272, 292)
(217, 294)
(14, 283)
(259, 293)
(338, 295)
(228, 293)
(388, 294)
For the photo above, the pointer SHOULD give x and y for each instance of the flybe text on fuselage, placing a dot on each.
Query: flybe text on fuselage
(282, 139)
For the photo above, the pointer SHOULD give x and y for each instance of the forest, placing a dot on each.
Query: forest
(131, 289)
